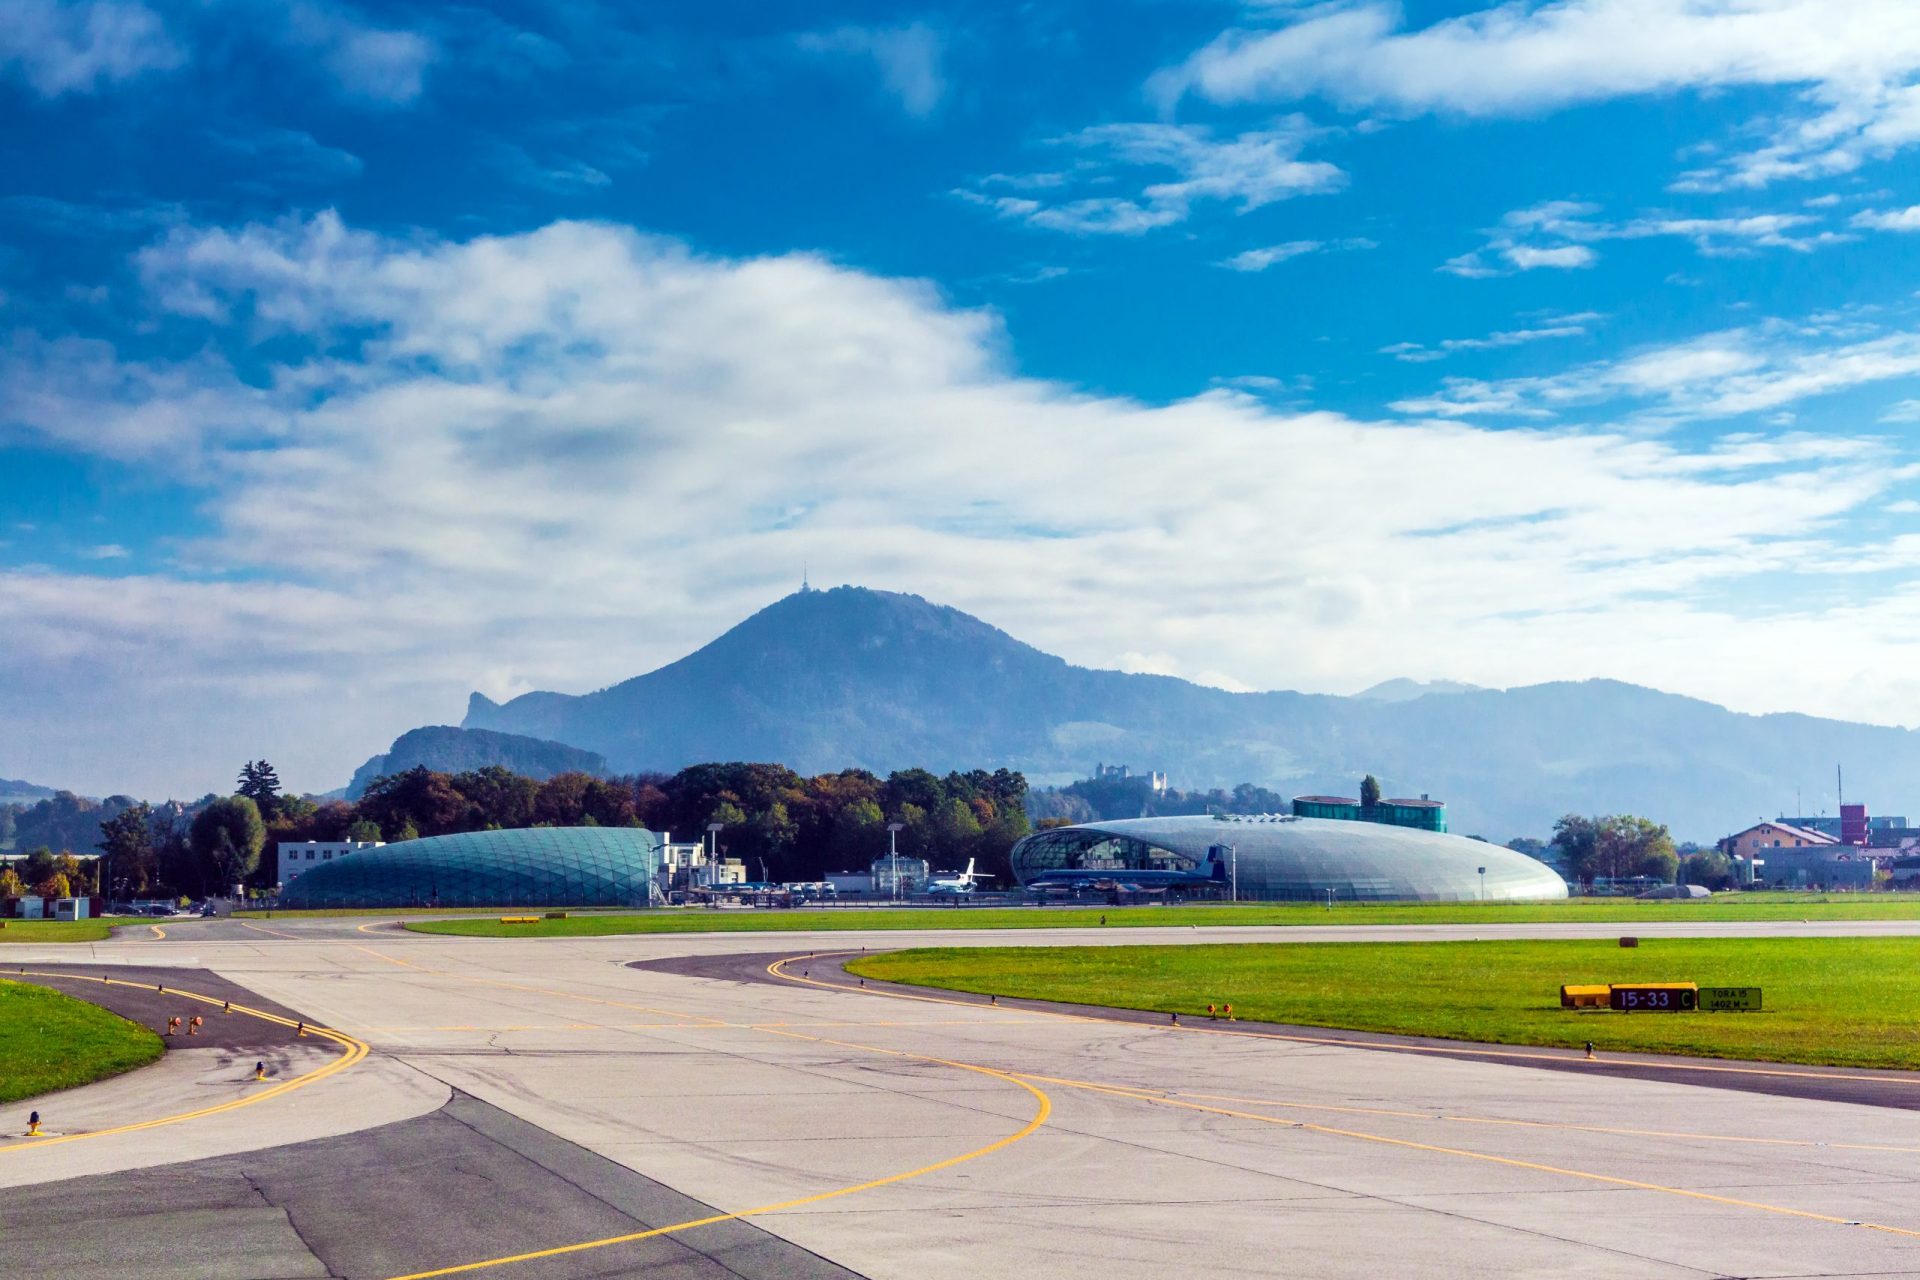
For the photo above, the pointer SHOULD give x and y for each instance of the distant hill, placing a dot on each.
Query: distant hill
(824, 680)
(13, 791)
(1405, 690)
(449, 750)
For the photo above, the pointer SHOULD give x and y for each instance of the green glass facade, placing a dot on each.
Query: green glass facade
(534, 867)
(1422, 815)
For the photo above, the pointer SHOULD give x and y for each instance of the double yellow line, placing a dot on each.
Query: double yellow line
(355, 1050)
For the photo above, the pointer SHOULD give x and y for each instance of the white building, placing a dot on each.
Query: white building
(297, 856)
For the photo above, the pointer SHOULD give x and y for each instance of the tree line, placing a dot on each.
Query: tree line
(781, 825)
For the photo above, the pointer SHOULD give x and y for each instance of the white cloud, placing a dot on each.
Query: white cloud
(79, 47)
(1854, 67)
(908, 59)
(1559, 234)
(106, 551)
(1562, 257)
(1907, 219)
(1574, 325)
(376, 64)
(1722, 375)
(559, 458)
(1261, 259)
(1249, 171)
(289, 155)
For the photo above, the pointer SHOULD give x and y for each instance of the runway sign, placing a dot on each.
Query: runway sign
(1591, 995)
(1656, 997)
(1730, 999)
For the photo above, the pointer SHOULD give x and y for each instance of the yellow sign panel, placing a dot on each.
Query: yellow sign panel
(1730, 999)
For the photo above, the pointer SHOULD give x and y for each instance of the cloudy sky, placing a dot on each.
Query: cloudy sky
(356, 357)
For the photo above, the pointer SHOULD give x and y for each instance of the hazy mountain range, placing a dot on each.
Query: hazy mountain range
(824, 680)
(453, 750)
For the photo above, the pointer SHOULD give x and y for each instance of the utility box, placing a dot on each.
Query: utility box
(70, 909)
(33, 907)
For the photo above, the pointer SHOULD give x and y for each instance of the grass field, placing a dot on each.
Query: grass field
(51, 1041)
(56, 931)
(1748, 906)
(1831, 1001)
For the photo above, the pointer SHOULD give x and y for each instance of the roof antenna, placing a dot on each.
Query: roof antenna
(804, 588)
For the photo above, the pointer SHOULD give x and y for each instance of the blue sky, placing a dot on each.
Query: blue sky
(360, 356)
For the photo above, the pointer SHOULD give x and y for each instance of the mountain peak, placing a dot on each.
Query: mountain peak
(1403, 689)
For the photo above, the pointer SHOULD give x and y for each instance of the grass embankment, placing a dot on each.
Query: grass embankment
(52, 1041)
(56, 931)
(1831, 1001)
(1728, 907)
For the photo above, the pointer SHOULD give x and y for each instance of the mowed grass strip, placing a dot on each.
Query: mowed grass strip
(1727, 907)
(1852, 1002)
(51, 1041)
(58, 930)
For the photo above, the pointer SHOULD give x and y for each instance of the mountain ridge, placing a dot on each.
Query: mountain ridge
(850, 677)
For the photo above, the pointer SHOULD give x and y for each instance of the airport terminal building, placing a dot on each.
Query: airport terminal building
(529, 867)
(1280, 858)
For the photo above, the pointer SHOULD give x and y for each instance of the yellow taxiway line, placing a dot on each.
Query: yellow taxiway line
(1043, 1108)
(355, 1050)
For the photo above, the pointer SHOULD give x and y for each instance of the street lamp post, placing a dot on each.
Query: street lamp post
(1329, 897)
(713, 853)
(1233, 869)
(893, 852)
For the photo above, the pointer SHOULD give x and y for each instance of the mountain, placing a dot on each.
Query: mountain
(13, 791)
(446, 749)
(825, 680)
(1405, 690)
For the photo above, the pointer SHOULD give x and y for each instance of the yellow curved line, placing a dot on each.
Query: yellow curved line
(1040, 1114)
(248, 924)
(158, 932)
(356, 1050)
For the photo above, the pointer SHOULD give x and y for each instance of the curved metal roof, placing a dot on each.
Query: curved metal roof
(529, 867)
(1284, 858)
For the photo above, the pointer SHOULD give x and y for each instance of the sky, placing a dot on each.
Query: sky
(357, 357)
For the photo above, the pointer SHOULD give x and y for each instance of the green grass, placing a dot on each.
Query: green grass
(1832, 1001)
(52, 1041)
(1748, 906)
(56, 931)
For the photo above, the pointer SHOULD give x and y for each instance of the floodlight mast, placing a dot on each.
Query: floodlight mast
(893, 852)
(713, 853)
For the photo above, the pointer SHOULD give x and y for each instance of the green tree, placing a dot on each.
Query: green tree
(226, 838)
(363, 830)
(1577, 839)
(55, 886)
(126, 843)
(259, 783)
(1369, 792)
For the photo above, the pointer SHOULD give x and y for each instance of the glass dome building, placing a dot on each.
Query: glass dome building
(1280, 858)
(532, 867)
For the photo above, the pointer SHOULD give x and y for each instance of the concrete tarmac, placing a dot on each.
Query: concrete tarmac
(940, 1138)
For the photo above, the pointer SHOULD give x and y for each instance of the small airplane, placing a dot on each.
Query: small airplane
(962, 883)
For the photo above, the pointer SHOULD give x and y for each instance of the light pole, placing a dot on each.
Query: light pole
(713, 853)
(893, 851)
(1329, 897)
(1233, 869)
(1483, 884)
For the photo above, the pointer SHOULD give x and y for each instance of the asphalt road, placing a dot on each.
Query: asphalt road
(900, 1136)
